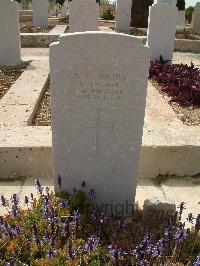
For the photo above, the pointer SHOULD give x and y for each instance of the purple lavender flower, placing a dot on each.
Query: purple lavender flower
(50, 254)
(181, 235)
(1, 220)
(91, 244)
(92, 194)
(181, 207)
(115, 252)
(190, 218)
(14, 211)
(37, 241)
(26, 200)
(83, 184)
(122, 223)
(71, 252)
(65, 204)
(38, 186)
(65, 228)
(59, 182)
(15, 199)
(162, 246)
(4, 201)
(18, 230)
(46, 200)
(197, 223)
(197, 262)
(76, 218)
(74, 191)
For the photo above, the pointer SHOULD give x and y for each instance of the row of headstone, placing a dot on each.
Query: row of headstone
(10, 44)
(161, 30)
(40, 13)
(83, 15)
(196, 18)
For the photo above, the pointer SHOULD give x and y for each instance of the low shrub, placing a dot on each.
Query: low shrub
(66, 229)
(64, 19)
(181, 82)
(108, 15)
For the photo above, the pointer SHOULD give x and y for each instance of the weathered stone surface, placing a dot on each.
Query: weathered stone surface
(161, 30)
(10, 45)
(98, 102)
(196, 18)
(83, 15)
(123, 15)
(156, 211)
(40, 13)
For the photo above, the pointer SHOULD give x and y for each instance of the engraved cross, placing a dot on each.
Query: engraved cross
(98, 127)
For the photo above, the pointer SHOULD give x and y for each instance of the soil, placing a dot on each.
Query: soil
(186, 35)
(189, 115)
(137, 32)
(106, 24)
(31, 29)
(43, 115)
(8, 76)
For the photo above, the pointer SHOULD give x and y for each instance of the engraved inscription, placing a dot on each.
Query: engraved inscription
(110, 86)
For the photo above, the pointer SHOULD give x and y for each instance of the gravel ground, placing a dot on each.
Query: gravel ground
(189, 115)
(106, 23)
(43, 115)
(31, 29)
(8, 75)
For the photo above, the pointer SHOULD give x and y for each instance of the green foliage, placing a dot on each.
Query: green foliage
(108, 15)
(188, 13)
(181, 5)
(140, 13)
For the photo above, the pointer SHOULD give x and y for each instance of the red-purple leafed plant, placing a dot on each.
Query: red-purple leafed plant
(181, 82)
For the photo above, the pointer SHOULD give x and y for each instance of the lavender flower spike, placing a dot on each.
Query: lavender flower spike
(197, 263)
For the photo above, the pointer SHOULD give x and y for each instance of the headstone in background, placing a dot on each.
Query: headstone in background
(10, 44)
(169, 2)
(196, 18)
(83, 15)
(98, 101)
(123, 15)
(40, 13)
(64, 9)
(181, 18)
(161, 30)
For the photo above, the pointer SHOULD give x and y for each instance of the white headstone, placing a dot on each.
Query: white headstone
(181, 18)
(161, 30)
(10, 44)
(169, 2)
(83, 15)
(98, 102)
(40, 13)
(196, 18)
(64, 9)
(123, 15)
